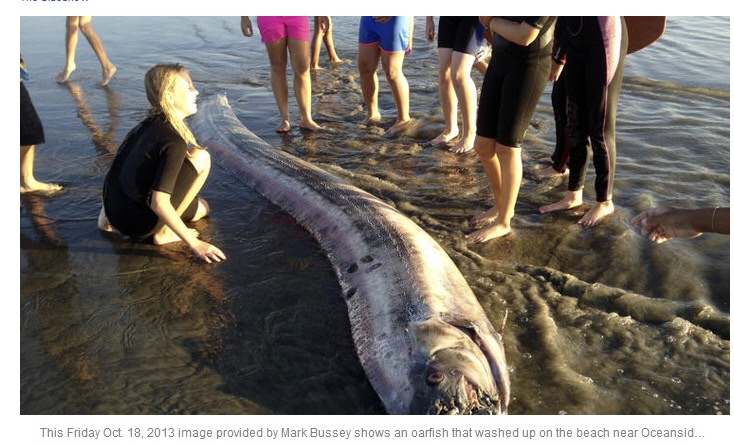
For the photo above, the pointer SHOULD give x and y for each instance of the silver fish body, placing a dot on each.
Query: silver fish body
(423, 339)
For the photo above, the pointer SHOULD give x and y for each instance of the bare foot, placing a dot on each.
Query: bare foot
(309, 124)
(494, 230)
(570, 200)
(37, 186)
(465, 144)
(399, 126)
(444, 137)
(284, 127)
(104, 225)
(597, 213)
(107, 74)
(316, 68)
(372, 120)
(64, 75)
(550, 172)
(485, 217)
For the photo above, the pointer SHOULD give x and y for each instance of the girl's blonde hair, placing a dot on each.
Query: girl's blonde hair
(159, 83)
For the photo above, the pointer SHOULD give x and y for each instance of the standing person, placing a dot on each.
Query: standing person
(153, 184)
(84, 23)
(31, 134)
(457, 49)
(284, 35)
(385, 40)
(322, 32)
(517, 74)
(594, 48)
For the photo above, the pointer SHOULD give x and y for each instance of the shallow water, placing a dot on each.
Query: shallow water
(599, 321)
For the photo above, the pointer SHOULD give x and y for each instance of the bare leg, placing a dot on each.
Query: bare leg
(298, 50)
(28, 182)
(392, 65)
(448, 98)
(486, 149)
(278, 55)
(329, 43)
(318, 36)
(72, 38)
(108, 70)
(368, 59)
(510, 161)
(202, 163)
(466, 94)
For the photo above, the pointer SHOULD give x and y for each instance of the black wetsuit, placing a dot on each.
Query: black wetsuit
(594, 69)
(151, 158)
(514, 82)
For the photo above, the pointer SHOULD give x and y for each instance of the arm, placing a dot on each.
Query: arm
(160, 203)
(246, 26)
(664, 223)
(430, 29)
(555, 72)
(522, 34)
(410, 34)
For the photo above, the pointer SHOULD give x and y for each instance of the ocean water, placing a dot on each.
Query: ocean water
(599, 321)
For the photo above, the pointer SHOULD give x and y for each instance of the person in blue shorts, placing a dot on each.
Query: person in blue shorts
(387, 40)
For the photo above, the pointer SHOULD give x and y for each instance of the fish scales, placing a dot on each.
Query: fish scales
(424, 341)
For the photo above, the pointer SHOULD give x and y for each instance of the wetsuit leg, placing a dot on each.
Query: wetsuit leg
(577, 115)
(560, 102)
(603, 139)
(521, 90)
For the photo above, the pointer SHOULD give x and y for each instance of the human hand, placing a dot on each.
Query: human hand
(246, 26)
(208, 252)
(555, 72)
(430, 29)
(381, 19)
(664, 223)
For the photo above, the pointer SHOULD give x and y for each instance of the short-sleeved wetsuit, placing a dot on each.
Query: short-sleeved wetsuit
(594, 49)
(514, 82)
(151, 158)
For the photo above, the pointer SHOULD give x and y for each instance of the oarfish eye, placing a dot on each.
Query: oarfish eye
(434, 377)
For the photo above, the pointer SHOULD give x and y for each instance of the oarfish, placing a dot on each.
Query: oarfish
(424, 341)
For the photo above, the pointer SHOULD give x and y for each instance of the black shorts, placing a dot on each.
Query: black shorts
(31, 129)
(510, 93)
(458, 33)
(138, 220)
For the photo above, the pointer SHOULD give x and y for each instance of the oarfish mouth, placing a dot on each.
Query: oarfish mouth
(469, 399)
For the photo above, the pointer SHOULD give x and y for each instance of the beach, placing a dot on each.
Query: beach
(599, 321)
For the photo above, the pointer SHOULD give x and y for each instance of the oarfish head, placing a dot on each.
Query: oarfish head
(454, 373)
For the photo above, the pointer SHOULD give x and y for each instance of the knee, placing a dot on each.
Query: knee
(484, 147)
(506, 153)
(86, 28)
(393, 74)
(202, 210)
(201, 160)
(279, 68)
